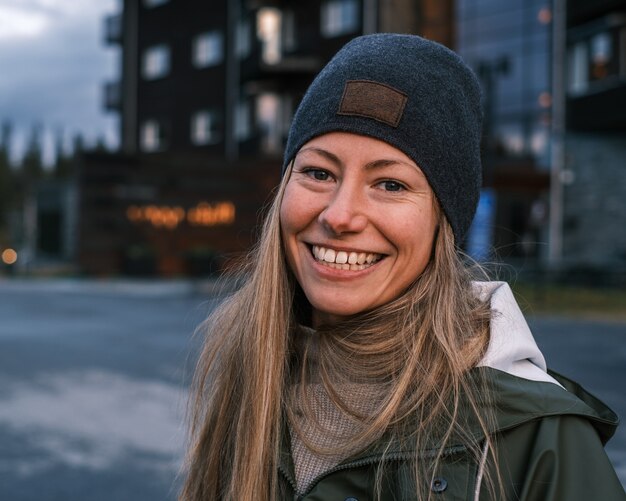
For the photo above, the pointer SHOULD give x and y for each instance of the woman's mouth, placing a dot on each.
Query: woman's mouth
(343, 260)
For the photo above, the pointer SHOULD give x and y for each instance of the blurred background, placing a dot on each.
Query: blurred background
(141, 139)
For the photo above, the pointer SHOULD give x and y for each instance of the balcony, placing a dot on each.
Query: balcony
(112, 96)
(113, 30)
(602, 110)
(257, 66)
(596, 74)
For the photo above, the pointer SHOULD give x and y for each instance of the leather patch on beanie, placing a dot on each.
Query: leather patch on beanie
(365, 98)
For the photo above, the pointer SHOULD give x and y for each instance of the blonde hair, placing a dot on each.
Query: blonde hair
(418, 348)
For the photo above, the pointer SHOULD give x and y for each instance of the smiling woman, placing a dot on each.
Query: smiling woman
(352, 198)
(359, 361)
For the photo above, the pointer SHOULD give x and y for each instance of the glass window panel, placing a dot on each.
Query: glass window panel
(156, 62)
(269, 28)
(243, 41)
(243, 127)
(339, 17)
(577, 68)
(208, 49)
(205, 127)
(152, 136)
(154, 3)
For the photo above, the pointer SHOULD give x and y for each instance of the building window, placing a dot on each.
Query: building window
(274, 114)
(597, 61)
(602, 57)
(205, 127)
(289, 30)
(208, 49)
(242, 121)
(577, 68)
(243, 41)
(339, 17)
(153, 136)
(154, 3)
(268, 29)
(156, 62)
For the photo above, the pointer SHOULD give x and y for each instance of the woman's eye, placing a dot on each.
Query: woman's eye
(317, 174)
(391, 185)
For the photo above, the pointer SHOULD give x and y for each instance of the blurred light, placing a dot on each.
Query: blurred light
(545, 15)
(545, 100)
(203, 214)
(9, 256)
(269, 21)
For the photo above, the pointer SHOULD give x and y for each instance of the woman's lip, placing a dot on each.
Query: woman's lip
(340, 274)
(336, 273)
(343, 249)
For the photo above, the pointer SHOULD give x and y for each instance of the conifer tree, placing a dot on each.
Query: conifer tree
(7, 178)
(64, 164)
(31, 166)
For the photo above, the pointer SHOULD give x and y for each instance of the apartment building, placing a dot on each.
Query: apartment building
(205, 96)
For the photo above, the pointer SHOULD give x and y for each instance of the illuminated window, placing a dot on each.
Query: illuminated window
(339, 17)
(156, 62)
(601, 56)
(268, 29)
(597, 60)
(205, 128)
(152, 136)
(274, 114)
(208, 49)
(154, 3)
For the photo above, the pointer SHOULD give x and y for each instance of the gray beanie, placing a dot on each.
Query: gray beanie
(412, 93)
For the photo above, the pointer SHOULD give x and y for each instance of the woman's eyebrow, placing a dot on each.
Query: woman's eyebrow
(373, 165)
(325, 153)
(377, 164)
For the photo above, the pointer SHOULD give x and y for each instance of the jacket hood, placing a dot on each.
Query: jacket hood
(512, 348)
(523, 387)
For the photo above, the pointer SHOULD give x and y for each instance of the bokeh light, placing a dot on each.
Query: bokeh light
(9, 256)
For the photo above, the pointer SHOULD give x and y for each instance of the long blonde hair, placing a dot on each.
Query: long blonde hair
(419, 347)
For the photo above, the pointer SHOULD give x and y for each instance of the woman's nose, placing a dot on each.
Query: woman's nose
(345, 212)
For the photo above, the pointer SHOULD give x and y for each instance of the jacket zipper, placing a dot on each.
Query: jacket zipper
(397, 456)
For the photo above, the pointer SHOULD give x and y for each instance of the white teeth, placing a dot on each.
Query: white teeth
(342, 257)
(344, 260)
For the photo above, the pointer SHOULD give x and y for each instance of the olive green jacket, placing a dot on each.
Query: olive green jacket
(549, 434)
(549, 444)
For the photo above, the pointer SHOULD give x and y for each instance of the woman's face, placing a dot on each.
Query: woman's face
(358, 221)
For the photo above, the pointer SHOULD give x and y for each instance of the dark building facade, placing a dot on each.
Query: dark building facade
(594, 167)
(554, 79)
(205, 97)
(509, 46)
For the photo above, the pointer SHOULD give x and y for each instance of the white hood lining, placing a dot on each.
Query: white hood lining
(512, 348)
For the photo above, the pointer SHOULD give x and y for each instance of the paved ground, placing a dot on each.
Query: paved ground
(93, 380)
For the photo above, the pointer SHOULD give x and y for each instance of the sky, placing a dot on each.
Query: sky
(53, 65)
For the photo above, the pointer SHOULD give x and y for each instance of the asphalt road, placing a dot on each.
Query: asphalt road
(94, 376)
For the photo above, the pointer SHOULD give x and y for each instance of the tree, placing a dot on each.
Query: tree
(31, 167)
(7, 177)
(64, 163)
